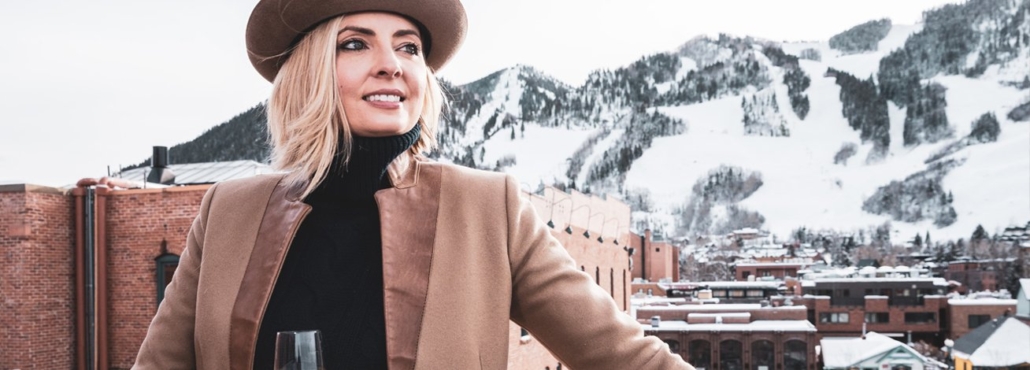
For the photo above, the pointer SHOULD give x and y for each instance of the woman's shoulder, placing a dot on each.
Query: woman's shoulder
(246, 189)
(469, 178)
(249, 185)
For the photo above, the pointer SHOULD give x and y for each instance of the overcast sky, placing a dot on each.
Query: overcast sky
(90, 84)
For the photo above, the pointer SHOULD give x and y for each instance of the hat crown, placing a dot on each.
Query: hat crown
(276, 25)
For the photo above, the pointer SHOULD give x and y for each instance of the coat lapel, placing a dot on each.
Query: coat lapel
(279, 224)
(408, 216)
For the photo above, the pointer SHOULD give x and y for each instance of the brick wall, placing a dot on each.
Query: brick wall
(654, 261)
(856, 317)
(137, 222)
(36, 278)
(959, 315)
(605, 262)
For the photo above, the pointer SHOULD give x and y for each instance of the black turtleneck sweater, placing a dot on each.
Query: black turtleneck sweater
(332, 278)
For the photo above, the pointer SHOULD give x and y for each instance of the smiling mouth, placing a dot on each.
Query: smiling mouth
(383, 98)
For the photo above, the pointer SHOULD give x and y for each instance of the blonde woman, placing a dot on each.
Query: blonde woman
(400, 262)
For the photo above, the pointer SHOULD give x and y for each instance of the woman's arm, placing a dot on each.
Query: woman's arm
(169, 343)
(563, 308)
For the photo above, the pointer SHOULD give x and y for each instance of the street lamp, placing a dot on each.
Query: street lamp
(617, 224)
(550, 221)
(568, 229)
(587, 232)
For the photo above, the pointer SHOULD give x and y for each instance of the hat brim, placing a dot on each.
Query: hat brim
(275, 25)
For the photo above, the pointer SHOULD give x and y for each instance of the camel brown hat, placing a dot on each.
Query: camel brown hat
(276, 25)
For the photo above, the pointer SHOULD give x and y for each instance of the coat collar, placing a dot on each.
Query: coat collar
(408, 213)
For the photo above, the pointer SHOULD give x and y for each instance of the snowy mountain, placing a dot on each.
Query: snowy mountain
(925, 127)
(829, 148)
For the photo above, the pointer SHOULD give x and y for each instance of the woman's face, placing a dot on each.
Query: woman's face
(381, 73)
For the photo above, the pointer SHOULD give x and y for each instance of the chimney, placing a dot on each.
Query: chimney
(159, 171)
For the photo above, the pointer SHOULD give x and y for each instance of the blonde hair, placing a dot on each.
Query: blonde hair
(306, 121)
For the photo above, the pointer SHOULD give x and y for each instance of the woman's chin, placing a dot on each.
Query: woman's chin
(382, 130)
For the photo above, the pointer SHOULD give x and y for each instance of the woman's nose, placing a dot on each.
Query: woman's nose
(388, 64)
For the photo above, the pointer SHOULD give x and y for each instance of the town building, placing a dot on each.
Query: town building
(1002, 343)
(654, 260)
(967, 314)
(911, 309)
(873, 351)
(734, 336)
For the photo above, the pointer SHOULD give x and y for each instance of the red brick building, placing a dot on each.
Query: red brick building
(37, 278)
(735, 336)
(964, 315)
(770, 270)
(896, 307)
(654, 260)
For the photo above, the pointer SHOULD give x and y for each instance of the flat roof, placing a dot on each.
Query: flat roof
(758, 325)
(982, 301)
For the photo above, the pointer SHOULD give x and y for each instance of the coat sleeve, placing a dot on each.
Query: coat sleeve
(562, 307)
(169, 342)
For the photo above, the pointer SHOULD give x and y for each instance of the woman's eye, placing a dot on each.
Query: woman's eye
(353, 45)
(410, 49)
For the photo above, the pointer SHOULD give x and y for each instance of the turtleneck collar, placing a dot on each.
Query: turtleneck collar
(363, 175)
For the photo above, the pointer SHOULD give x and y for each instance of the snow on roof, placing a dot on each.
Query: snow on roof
(758, 325)
(205, 173)
(738, 315)
(1007, 346)
(741, 284)
(935, 281)
(981, 301)
(721, 307)
(657, 300)
(773, 264)
(845, 352)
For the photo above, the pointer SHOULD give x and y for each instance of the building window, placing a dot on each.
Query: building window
(611, 282)
(765, 273)
(719, 293)
(730, 354)
(736, 293)
(754, 293)
(166, 265)
(763, 357)
(701, 354)
(920, 317)
(976, 320)
(877, 317)
(841, 293)
(795, 355)
(833, 317)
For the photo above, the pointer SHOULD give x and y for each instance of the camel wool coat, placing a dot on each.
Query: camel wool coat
(463, 254)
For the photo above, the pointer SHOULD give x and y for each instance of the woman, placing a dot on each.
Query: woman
(400, 262)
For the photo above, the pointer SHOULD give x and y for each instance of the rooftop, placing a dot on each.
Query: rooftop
(203, 173)
(758, 325)
(847, 352)
(981, 301)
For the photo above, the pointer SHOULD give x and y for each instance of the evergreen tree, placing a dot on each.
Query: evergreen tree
(979, 235)
(918, 242)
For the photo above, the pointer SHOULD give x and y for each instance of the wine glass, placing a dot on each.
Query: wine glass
(298, 350)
